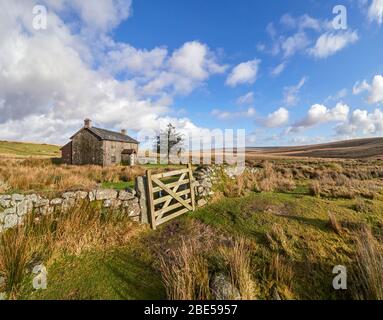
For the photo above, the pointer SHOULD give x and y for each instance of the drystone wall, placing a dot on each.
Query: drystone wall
(14, 207)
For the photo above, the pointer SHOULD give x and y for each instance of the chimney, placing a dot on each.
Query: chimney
(87, 123)
(123, 131)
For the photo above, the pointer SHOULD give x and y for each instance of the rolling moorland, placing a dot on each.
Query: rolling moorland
(276, 232)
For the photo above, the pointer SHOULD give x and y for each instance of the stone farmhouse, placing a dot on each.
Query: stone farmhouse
(97, 146)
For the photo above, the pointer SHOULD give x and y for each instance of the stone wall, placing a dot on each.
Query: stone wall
(14, 207)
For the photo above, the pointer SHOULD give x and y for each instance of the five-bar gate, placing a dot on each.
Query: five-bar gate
(170, 194)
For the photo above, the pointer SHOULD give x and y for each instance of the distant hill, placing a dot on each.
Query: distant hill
(22, 149)
(349, 149)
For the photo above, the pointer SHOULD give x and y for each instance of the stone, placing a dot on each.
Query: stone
(126, 195)
(276, 295)
(68, 195)
(24, 207)
(201, 203)
(131, 208)
(92, 195)
(42, 202)
(106, 194)
(11, 210)
(200, 189)
(32, 197)
(111, 203)
(5, 197)
(81, 195)
(5, 203)
(56, 201)
(223, 289)
(2, 216)
(10, 221)
(17, 197)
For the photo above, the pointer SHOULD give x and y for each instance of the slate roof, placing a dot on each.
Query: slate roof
(110, 135)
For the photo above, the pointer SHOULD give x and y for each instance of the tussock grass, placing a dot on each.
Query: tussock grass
(279, 276)
(368, 271)
(185, 273)
(278, 240)
(42, 175)
(334, 224)
(73, 232)
(237, 259)
(14, 256)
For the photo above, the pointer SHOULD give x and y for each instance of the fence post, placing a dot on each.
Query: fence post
(191, 178)
(150, 198)
(141, 190)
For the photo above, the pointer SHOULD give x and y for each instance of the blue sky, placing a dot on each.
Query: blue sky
(278, 69)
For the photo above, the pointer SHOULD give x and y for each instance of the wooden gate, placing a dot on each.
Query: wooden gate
(170, 194)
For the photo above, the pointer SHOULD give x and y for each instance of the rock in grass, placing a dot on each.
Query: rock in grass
(223, 289)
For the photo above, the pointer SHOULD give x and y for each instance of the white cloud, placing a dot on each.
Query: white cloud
(376, 91)
(277, 118)
(278, 69)
(294, 43)
(361, 121)
(227, 115)
(246, 99)
(195, 60)
(126, 58)
(245, 72)
(375, 11)
(318, 114)
(291, 93)
(330, 43)
(288, 21)
(102, 15)
(307, 22)
(49, 83)
(360, 87)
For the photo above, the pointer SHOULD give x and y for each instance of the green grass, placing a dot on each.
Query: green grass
(29, 149)
(121, 185)
(310, 246)
(95, 275)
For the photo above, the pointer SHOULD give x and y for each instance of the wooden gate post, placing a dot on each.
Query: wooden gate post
(191, 178)
(150, 199)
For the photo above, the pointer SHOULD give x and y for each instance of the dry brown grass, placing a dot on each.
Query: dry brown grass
(336, 185)
(80, 229)
(237, 259)
(280, 275)
(14, 256)
(42, 175)
(334, 224)
(368, 271)
(185, 273)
